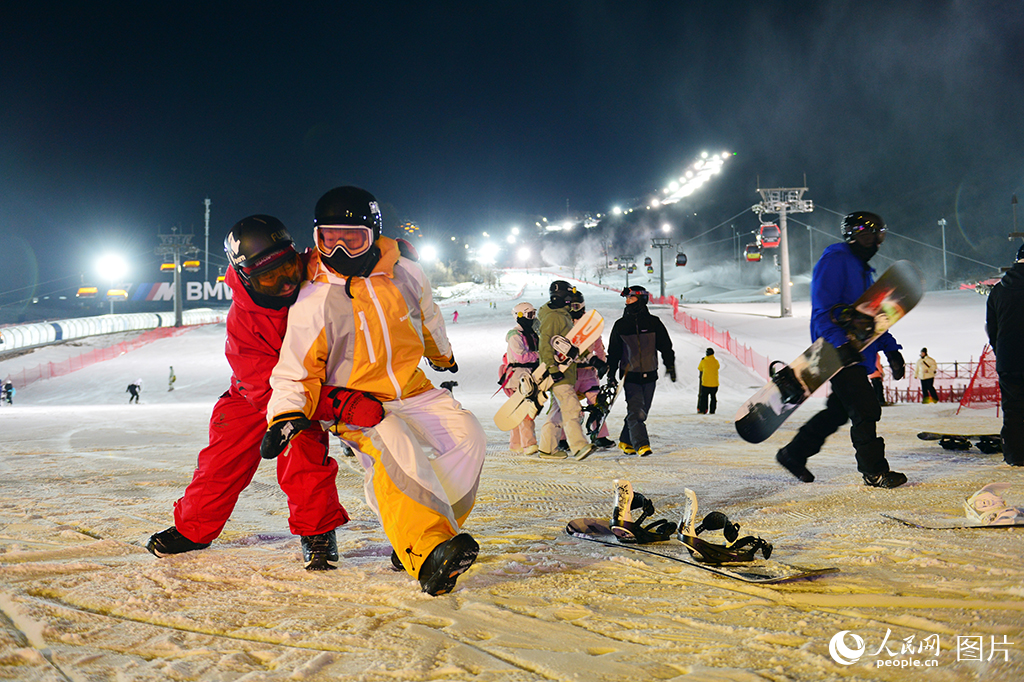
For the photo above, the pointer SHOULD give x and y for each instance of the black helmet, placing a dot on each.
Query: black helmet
(577, 305)
(561, 293)
(859, 221)
(1020, 254)
(636, 290)
(253, 242)
(263, 255)
(354, 215)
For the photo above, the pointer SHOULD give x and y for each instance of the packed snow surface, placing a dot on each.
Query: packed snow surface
(86, 478)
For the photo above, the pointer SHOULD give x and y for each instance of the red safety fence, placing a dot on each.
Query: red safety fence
(695, 325)
(49, 370)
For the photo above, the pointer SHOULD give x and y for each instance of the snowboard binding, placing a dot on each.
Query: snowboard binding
(735, 550)
(789, 386)
(857, 325)
(597, 412)
(988, 507)
(630, 511)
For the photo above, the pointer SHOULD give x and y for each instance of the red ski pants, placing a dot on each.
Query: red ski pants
(227, 465)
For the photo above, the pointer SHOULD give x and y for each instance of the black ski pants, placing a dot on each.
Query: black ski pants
(928, 389)
(1011, 386)
(852, 399)
(638, 405)
(708, 396)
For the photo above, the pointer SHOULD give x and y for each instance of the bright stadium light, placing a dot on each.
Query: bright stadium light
(428, 253)
(523, 254)
(488, 253)
(112, 268)
(699, 172)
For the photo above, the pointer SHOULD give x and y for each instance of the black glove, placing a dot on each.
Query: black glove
(896, 364)
(556, 376)
(600, 365)
(281, 432)
(437, 368)
(849, 355)
(670, 370)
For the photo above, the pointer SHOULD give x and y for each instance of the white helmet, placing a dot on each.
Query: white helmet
(524, 310)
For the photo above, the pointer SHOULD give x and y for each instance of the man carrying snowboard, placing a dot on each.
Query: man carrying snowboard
(840, 276)
(555, 320)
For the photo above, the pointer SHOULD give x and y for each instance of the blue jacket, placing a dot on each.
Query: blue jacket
(839, 278)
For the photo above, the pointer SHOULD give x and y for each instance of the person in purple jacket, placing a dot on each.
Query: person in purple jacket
(840, 276)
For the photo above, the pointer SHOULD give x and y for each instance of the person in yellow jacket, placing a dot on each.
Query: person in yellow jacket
(707, 397)
(365, 320)
(925, 370)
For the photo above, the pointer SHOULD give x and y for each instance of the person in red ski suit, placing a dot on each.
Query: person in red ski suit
(256, 324)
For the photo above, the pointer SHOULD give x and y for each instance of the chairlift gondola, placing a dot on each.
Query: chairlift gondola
(769, 235)
(680, 259)
(650, 269)
(191, 265)
(753, 253)
(648, 262)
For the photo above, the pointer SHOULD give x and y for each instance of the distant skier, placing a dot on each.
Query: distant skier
(135, 388)
(1004, 324)
(455, 316)
(840, 276)
(637, 338)
(707, 395)
(556, 320)
(171, 379)
(522, 357)
(8, 393)
(925, 370)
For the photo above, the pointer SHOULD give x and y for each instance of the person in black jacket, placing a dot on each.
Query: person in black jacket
(1004, 322)
(637, 338)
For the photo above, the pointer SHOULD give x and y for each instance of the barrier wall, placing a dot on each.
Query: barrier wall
(21, 337)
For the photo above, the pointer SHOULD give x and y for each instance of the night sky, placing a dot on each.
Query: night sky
(118, 119)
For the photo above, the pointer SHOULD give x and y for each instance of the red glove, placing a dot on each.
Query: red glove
(355, 408)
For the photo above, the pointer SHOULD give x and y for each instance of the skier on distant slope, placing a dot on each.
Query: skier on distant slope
(365, 320)
(556, 320)
(840, 276)
(522, 358)
(636, 339)
(264, 278)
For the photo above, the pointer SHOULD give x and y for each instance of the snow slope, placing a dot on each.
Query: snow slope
(87, 478)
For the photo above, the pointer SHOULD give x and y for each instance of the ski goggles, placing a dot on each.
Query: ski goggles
(530, 315)
(353, 240)
(577, 307)
(281, 271)
(870, 227)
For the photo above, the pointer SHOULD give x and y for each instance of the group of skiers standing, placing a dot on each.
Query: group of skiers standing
(636, 340)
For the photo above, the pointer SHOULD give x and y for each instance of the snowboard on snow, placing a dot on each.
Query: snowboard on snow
(531, 394)
(942, 521)
(989, 443)
(895, 293)
(762, 571)
(597, 414)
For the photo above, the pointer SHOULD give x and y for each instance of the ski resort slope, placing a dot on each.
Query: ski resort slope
(86, 478)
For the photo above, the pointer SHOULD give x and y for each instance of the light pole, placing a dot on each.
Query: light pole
(945, 280)
(784, 201)
(662, 243)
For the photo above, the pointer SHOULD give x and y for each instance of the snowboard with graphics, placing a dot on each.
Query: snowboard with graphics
(531, 394)
(762, 571)
(895, 293)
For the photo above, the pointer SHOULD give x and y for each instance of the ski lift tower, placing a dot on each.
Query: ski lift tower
(176, 245)
(662, 243)
(783, 202)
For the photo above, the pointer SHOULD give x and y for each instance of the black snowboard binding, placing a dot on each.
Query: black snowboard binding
(789, 386)
(597, 412)
(857, 325)
(955, 443)
(630, 511)
(735, 550)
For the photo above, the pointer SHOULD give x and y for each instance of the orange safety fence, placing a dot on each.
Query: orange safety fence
(49, 370)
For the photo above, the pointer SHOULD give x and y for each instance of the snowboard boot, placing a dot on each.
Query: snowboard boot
(530, 450)
(320, 552)
(644, 450)
(604, 443)
(797, 469)
(888, 479)
(627, 448)
(446, 563)
(396, 563)
(557, 454)
(563, 445)
(170, 541)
